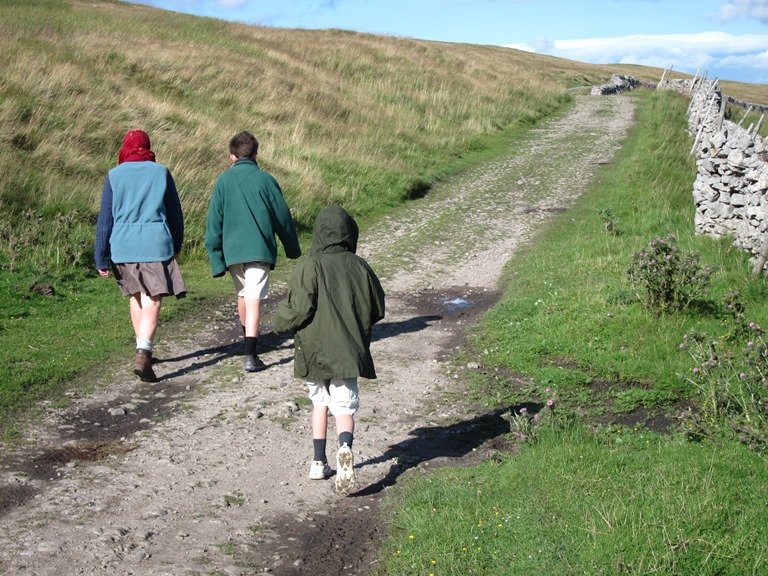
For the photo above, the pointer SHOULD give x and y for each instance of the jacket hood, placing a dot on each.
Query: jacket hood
(334, 230)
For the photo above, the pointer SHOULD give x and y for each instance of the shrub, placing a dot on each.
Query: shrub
(666, 278)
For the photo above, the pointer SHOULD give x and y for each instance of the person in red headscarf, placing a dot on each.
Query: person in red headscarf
(139, 234)
(136, 148)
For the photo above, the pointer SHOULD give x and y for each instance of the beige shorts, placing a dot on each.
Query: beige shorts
(341, 395)
(251, 279)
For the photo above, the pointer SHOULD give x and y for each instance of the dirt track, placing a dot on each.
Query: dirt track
(205, 472)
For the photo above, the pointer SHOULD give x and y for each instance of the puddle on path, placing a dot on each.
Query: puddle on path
(452, 304)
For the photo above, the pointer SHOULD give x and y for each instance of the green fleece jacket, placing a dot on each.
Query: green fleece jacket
(334, 298)
(246, 211)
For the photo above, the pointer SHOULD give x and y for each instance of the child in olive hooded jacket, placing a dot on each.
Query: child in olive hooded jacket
(333, 300)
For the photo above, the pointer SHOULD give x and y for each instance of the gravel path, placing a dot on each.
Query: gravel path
(204, 472)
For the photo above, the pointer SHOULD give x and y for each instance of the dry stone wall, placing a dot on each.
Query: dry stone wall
(731, 187)
(732, 172)
(617, 84)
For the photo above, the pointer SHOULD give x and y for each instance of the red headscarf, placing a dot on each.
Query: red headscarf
(135, 148)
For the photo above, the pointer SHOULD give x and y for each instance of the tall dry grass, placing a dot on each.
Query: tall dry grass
(361, 119)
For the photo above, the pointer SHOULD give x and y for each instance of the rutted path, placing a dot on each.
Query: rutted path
(205, 472)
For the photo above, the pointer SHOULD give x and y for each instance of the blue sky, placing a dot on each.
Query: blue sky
(726, 39)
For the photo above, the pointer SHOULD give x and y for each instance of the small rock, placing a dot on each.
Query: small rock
(49, 547)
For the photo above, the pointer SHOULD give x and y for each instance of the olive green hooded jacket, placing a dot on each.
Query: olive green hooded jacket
(334, 298)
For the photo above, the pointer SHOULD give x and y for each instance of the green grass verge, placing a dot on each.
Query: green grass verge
(575, 504)
(47, 340)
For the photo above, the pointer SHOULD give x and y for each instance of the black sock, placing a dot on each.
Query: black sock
(250, 345)
(319, 447)
(345, 438)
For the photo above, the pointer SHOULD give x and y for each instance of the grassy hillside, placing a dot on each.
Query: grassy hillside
(361, 119)
(345, 117)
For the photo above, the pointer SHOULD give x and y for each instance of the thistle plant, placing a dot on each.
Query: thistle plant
(609, 221)
(666, 278)
(525, 423)
(731, 375)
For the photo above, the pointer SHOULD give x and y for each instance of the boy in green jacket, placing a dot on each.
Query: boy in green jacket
(334, 298)
(246, 211)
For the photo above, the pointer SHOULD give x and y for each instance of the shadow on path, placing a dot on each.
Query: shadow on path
(385, 330)
(430, 443)
(270, 342)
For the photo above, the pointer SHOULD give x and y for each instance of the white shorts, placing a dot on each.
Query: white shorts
(251, 279)
(341, 395)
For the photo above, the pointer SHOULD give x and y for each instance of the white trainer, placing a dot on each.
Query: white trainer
(345, 470)
(319, 470)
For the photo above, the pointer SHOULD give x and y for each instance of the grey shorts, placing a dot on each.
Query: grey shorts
(150, 278)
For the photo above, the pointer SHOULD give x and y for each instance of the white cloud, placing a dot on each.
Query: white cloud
(684, 52)
(758, 60)
(736, 9)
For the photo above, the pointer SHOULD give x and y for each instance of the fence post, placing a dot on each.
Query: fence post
(761, 260)
(693, 91)
(745, 114)
(722, 115)
(706, 97)
(703, 122)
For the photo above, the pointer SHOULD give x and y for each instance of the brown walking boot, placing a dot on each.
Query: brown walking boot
(143, 366)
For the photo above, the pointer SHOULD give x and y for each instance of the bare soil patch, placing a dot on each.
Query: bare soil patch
(205, 472)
